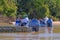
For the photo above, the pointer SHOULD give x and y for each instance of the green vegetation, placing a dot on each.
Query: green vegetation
(8, 8)
(33, 8)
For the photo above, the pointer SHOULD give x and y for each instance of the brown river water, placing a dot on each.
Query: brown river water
(29, 36)
(32, 35)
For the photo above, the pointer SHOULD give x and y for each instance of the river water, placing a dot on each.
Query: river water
(29, 36)
(32, 36)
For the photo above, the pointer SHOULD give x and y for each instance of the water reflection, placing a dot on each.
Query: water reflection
(28, 36)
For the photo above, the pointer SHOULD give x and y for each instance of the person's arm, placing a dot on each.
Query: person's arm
(51, 20)
(29, 24)
(39, 23)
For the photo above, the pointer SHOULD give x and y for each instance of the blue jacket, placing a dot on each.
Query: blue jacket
(34, 22)
(42, 23)
(18, 22)
(49, 21)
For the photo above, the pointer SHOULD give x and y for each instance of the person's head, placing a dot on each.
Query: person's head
(50, 17)
(24, 16)
(39, 18)
(18, 17)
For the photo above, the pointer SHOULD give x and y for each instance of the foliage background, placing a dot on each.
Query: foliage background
(33, 8)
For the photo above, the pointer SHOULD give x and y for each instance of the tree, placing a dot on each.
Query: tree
(36, 7)
(8, 7)
(33, 8)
